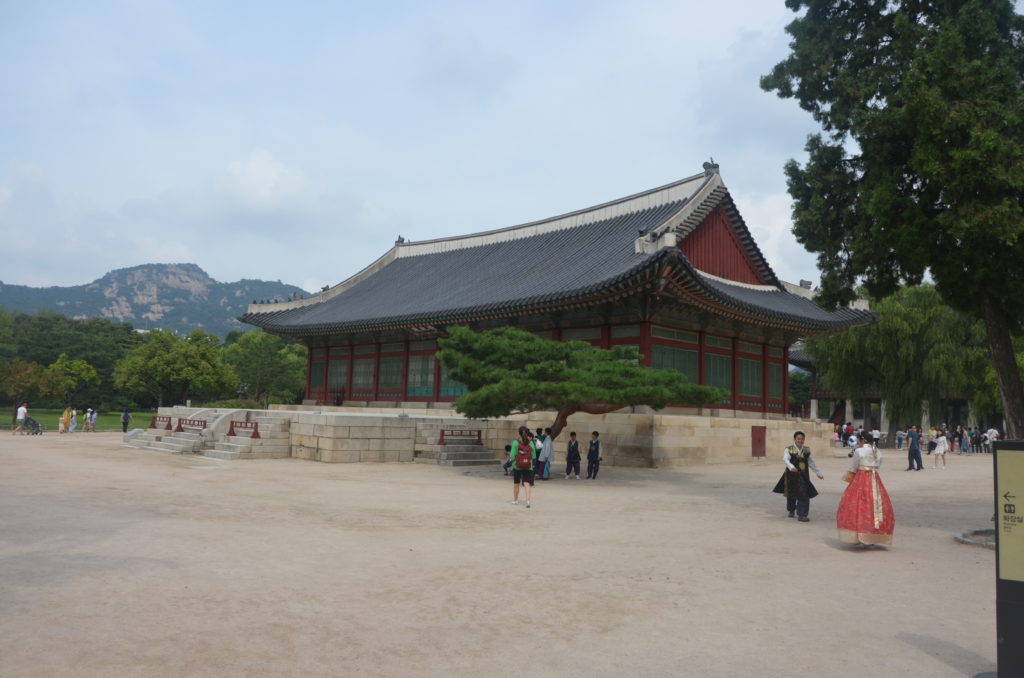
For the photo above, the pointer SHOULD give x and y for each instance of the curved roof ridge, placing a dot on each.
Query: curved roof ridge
(766, 287)
(681, 190)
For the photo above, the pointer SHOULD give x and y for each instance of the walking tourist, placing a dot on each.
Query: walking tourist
(19, 419)
(523, 455)
(941, 447)
(914, 449)
(795, 483)
(993, 436)
(126, 418)
(865, 514)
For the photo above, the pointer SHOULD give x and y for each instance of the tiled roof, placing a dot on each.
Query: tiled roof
(470, 281)
(777, 303)
(582, 257)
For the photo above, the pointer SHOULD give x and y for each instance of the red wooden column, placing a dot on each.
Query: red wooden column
(437, 379)
(734, 342)
(702, 376)
(764, 379)
(405, 373)
(309, 371)
(785, 380)
(645, 345)
(376, 371)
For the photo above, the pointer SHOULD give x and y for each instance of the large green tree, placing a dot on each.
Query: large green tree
(510, 371)
(168, 367)
(919, 170)
(20, 381)
(67, 377)
(267, 366)
(42, 337)
(920, 350)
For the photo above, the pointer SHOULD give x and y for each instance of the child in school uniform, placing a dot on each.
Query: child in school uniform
(594, 456)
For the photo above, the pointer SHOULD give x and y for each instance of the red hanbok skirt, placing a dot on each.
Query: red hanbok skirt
(865, 513)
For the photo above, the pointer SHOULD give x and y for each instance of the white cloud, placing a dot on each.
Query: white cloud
(769, 218)
(300, 148)
(260, 182)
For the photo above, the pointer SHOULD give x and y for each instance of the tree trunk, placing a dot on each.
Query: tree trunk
(1004, 361)
(562, 418)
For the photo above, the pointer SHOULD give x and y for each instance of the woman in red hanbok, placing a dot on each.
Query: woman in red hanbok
(865, 513)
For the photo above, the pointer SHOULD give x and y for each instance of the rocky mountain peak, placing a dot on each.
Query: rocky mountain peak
(180, 297)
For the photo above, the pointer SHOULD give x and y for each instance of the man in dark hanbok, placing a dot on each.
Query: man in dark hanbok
(795, 483)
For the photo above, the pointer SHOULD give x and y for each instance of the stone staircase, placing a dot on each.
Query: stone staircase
(274, 442)
(457, 451)
(189, 441)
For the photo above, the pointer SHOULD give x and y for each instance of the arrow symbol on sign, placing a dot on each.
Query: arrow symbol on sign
(1009, 496)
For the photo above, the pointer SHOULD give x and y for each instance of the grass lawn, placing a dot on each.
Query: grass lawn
(105, 421)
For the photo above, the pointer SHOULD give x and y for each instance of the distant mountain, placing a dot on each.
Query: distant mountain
(179, 297)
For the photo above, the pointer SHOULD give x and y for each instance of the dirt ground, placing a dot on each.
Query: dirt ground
(123, 562)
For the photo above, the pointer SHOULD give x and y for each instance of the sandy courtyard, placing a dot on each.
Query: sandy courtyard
(123, 562)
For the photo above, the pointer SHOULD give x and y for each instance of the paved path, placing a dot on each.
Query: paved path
(123, 562)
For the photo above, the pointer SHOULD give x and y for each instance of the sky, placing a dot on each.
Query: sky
(296, 141)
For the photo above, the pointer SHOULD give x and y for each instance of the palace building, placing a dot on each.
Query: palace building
(673, 271)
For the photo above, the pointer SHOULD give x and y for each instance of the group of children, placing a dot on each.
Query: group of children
(530, 457)
(68, 422)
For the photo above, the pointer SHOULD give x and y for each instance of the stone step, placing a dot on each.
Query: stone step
(168, 448)
(227, 455)
(455, 455)
(467, 462)
(452, 456)
(230, 446)
(187, 434)
(272, 437)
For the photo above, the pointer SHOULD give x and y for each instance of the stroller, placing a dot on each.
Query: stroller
(32, 427)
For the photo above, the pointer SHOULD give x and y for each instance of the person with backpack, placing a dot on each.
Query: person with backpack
(126, 418)
(523, 456)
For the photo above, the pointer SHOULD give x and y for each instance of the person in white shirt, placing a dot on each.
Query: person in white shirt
(547, 454)
(941, 447)
(993, 435)
(20, 418)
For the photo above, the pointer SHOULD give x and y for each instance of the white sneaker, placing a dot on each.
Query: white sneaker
(577, 477)
(527, 504)
(515, 501)
(567, 476)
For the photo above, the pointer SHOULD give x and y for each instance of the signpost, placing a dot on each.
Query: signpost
(1009, 486)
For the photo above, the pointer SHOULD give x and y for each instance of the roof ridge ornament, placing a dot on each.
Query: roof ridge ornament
(710, 168)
